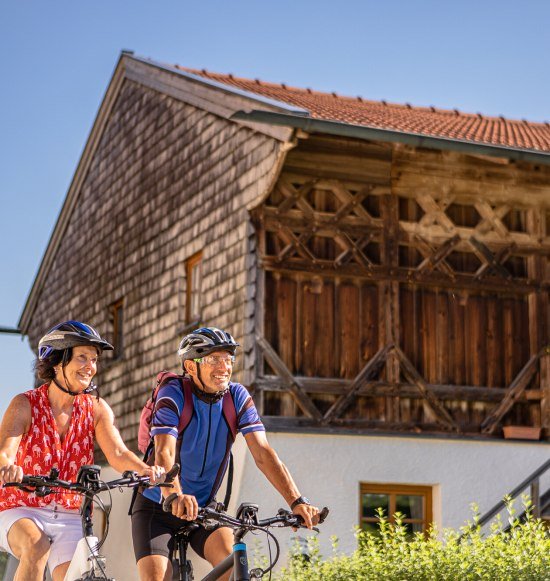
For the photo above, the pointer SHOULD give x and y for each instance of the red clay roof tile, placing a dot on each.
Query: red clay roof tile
(431, 121)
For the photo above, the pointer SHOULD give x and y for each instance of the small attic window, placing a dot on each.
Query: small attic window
(116, 318)
(193, 275)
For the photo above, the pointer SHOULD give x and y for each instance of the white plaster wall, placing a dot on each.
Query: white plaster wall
(330, 468)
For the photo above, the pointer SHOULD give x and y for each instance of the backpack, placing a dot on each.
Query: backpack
(144, 435)
(145, 442)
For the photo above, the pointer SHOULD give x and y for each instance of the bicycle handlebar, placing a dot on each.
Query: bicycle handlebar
(284, 517)
(88, 481)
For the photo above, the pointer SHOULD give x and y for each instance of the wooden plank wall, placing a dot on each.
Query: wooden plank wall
(456, 272)
(166, 181)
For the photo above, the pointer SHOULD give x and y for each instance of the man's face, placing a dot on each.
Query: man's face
(216, 369)
(80, 370)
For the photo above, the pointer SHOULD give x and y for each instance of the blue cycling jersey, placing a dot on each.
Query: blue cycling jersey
(206, 443)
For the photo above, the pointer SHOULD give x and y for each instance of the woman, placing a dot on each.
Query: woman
(54, 426)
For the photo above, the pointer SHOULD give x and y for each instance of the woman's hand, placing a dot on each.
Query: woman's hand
(11, 473)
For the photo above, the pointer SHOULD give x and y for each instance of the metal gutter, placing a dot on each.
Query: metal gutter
(223, 86)
(10, 330)
(311, 125)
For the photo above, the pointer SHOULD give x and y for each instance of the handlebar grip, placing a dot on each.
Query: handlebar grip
(171, 475)
(167, 504)
(323, 514)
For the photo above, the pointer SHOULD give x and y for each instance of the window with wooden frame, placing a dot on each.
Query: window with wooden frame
(193, 273)
(413, 502)
(116, 316)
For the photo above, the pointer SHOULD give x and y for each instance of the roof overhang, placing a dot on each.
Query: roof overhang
(311, 125)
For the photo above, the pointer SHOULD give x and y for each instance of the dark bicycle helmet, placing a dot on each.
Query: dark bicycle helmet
(205, 340)
(70, 334)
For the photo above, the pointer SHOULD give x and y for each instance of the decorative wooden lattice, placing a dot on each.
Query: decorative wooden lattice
(416, 263)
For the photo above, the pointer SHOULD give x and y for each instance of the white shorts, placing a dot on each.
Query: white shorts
(64, 530)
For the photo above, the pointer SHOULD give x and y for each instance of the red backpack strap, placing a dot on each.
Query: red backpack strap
(230, 413)
(187, 411)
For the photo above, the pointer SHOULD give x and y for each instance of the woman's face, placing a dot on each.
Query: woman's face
(80, 370)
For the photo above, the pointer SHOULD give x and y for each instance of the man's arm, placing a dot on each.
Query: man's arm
(115, 450)
(15, 423)
(185, 505)
(277, 473)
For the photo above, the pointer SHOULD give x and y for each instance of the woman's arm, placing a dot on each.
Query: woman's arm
(115, 450)
(15, 424)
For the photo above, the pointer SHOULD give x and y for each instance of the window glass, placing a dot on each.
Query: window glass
(411, 506)
(371, 503)
(413, 502)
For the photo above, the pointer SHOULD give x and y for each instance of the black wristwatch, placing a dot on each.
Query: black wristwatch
(298, 501)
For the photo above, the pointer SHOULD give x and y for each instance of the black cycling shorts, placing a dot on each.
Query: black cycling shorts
(153, 529)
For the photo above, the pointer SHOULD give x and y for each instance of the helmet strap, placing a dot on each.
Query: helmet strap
(64, 388)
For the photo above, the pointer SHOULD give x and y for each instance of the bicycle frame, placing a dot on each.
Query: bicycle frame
(238, 560)
(87, 563)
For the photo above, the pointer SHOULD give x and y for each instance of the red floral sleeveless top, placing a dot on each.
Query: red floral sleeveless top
(41, 449)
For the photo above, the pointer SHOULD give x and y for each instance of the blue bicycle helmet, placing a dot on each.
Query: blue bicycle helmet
(70, 334)
(205, 340)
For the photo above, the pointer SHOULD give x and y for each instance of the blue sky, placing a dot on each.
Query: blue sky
(56, 59)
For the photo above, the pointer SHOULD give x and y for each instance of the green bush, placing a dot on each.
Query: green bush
(520, 554)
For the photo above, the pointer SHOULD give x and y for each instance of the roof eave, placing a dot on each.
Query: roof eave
(311, 125)
(250, 95)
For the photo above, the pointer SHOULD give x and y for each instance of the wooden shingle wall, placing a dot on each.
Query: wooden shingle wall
(166, 181)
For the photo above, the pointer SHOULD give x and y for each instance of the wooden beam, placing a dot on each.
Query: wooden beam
(297, 391)
(435, 279)
(408, 370)
(438, 256)
(343, 426)
(486, 256)
(372, 366)
(491, 219)
(378, 388)
(517, 387)
(295, 196)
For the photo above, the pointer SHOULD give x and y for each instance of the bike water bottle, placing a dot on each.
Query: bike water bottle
(240, 560)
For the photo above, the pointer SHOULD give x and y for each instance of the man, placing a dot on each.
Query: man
(207, 357)
(53, 426)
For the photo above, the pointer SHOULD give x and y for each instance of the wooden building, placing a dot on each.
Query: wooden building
(385, 267)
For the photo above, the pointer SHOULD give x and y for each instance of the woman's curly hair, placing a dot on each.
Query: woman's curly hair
(45, 367)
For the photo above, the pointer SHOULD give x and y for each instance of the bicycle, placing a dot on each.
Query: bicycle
(87, 564)
(246, 520)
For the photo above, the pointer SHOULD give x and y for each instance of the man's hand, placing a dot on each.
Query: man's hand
(156, 474)
(11, 473)
(309, 513)
(185, 506)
